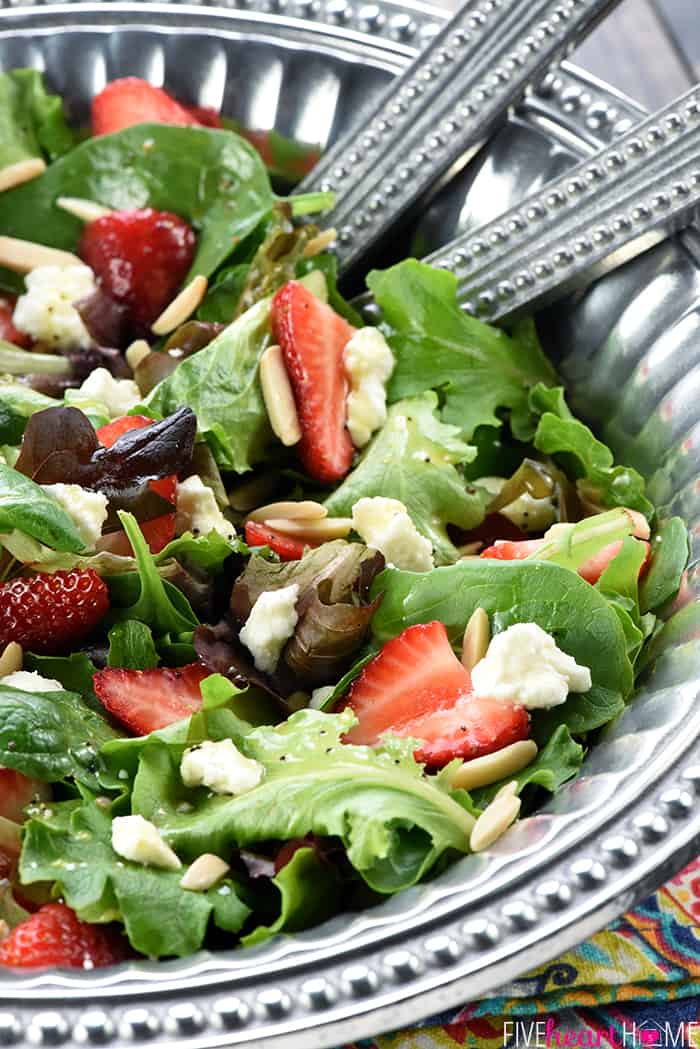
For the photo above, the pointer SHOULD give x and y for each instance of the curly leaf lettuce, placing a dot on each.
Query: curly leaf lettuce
(394, 822)
(437, 346)
(414, 458)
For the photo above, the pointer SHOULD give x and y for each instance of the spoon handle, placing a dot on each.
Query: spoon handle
(605, 211)
(441, 110)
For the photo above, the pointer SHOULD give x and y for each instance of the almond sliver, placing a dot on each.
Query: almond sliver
(11, 659)
(181, 308)
(278, 397)
(23, 256)
(490, 768)
(23, 171)
(320, 242)
(85, 210)
(315, 531)
(136, 352)
(304, 510)
(494, 821)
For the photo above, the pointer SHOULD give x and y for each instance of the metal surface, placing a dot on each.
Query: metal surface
(441, 110)
(630, 351)
(597, 216)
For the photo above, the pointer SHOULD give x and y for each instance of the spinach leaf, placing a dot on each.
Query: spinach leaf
(394, 822)
(74, 672)
(32, 123)
(309, 892)
(154, 601)
(214, 179)
(17, 403)
(414, 458)
(160, 918)
(327, 264)
(579, 618)
(50, 736)
(557, 762)
(669, 556)
(26, 507)
(221, 385)
(437, 346)
(222, 298)
(131, 646)
(206, 552)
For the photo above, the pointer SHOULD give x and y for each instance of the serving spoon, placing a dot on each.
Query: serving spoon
(438, 113)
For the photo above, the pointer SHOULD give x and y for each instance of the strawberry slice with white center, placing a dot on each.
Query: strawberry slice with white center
(312, 337)
(416, 687)
(146, 700)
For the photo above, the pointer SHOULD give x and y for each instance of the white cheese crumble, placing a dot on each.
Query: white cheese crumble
(87, 510)
(221, 767)
(139, 840)
(118, 396)
(527, 513)
(385, 525)
(46, 310)
(198, 510)
(270, 625)
(30, 681)
(368, 364)
(524, 666)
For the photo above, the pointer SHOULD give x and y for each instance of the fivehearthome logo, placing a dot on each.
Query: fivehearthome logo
(549, 1034)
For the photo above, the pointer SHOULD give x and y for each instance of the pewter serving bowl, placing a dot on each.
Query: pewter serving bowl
(630, 351)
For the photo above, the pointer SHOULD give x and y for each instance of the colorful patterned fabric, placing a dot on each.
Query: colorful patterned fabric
(637, 983)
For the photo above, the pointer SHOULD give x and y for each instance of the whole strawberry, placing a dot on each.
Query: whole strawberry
(141, 258)
(52, 612)
(55, 936)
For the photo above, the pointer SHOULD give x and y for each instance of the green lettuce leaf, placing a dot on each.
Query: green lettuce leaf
(131, 645)
(394, 822)
(27, 508)
(669, 556)
(32, 123)
(481, 370)
(580, 619)
(214, 179)
(221, 385)
(51, 736)
(17, 404)
(206, 552)
(309, 892)
(414, 458)
(160, 918)
(74, 671)
(557, 762)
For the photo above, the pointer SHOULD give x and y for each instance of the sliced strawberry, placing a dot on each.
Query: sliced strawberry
(129, 101)
(509, 550)
(417, 687)
(55, 936)
(7, 324)
(312, 337)
(159, 531)
(52, 612)
(205, 115)
(288, 549)
(591, 570)
(16, 792)
(146, 700)
(141, 257)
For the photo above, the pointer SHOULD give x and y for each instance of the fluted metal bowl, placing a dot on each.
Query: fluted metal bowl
(630, 351)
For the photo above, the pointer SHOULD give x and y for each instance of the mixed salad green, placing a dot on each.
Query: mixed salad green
(249, 682)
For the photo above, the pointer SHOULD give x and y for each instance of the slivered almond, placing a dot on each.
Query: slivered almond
(206, 870)
(320, 242)
(480, 772)
(23, 171)
(137, 352)
(319, 531)
(23, 256)
(85, 210)
(508, 790)
(181, 308)
(304, 510)
(476, 638)
(493, 822)
(11, 659)
(278, 397)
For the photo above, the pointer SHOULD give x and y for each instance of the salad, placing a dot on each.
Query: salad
(294, 611)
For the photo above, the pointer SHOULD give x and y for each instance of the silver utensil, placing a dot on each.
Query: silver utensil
(441, 110)
(603, 212)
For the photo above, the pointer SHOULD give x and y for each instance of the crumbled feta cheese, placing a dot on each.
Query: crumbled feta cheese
(30, 681)
(221, 767)
(139, 840)
(199, 511)
(270, 625)
(118, 396)
(368, 364)
(46, 310)
(524, 666)
(526, 512)
(385, 525)
(88, 510)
